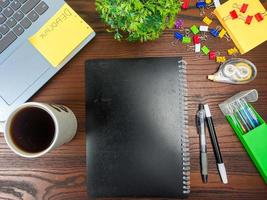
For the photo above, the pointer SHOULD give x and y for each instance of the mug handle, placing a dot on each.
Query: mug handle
(2, 126)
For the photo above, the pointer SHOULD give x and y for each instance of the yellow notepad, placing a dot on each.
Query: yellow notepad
(60, 35)
(245, 37)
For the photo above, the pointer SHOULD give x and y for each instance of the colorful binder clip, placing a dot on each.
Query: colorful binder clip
(201, 5)
(179, 23)
(178, 36)
(194, 29)
(205, 50)
(212, 55)
(204, 28)
(242, 7)
(214, 32)
(232, 15)
(260, 16)
(232, 51)
(208, 1)
(224, 34)
(197, 48)
(215, 4)
(220, 59)
(248, 19)
(185, 4)
(207, 20)
(196, 39)
(186, 40)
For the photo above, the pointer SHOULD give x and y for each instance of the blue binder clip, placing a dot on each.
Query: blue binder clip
(178, 36)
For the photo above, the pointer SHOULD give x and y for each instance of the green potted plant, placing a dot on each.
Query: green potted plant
(138, 20)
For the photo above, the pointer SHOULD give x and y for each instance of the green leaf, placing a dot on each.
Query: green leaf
(138, 20)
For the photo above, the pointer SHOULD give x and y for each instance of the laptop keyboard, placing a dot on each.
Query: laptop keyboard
(16, 16)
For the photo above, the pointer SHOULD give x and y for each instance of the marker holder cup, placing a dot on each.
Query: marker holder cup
(255, 140)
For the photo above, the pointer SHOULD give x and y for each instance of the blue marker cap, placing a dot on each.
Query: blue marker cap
(178, 35)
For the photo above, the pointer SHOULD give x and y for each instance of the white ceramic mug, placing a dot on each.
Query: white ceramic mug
(65, 124)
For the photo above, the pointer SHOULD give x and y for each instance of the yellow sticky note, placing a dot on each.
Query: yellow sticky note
(245, 37)
(60, 35)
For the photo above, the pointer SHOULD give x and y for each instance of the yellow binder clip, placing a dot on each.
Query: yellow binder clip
(220, 59)
(207, 20)
(232, 51)
(224, 34)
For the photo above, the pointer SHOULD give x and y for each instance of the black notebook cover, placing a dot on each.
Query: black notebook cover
(137, 144)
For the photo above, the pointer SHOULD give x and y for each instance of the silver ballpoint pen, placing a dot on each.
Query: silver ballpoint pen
(203, 145)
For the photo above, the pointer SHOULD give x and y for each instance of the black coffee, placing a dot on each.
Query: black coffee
(32, 130)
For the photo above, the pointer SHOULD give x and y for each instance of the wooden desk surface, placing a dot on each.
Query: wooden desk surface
(61, 174)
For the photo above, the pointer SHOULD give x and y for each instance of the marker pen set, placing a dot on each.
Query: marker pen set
(249, 126)
(243, 115)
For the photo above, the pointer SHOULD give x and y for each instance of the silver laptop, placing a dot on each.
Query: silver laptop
(23, 70)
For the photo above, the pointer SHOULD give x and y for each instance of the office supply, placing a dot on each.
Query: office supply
(202, 143)
(232, 51)
(254, 140)
(57, 42)
(197, 48)
(220, 59)
(207, 20)
(235, 71)
(137, 144)
(185, 4)
(239, 30)
(201, 5)
(179, 23)
(215, 145)
(23, 70)
(196, 39)
(214, 4)
(205, 50)
(186, 40)
(204, 28)
(178, 35)
(212, 55)
(194, 29)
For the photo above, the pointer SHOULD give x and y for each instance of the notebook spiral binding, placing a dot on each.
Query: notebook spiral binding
(184, 124)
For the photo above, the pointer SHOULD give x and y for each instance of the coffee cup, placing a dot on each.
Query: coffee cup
(33, 129)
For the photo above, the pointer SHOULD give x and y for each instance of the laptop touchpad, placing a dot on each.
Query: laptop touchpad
(20, 71)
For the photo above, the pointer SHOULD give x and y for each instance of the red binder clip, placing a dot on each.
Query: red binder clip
(233, 14)
(260, 16)
(249, 19)
(185, 4)
(242, 8)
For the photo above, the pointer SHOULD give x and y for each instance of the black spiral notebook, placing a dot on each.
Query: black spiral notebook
(136, 126)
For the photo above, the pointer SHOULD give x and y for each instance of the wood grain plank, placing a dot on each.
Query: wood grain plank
(61, 174)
